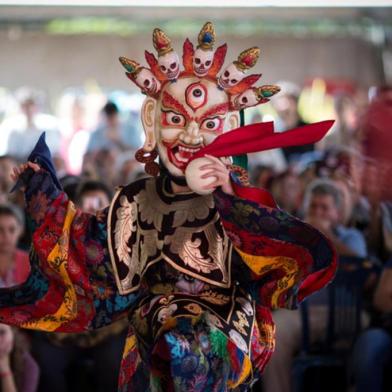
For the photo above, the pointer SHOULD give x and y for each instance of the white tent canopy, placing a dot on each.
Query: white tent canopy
(203, 3)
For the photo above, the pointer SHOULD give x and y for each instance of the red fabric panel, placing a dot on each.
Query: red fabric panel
(260, 137)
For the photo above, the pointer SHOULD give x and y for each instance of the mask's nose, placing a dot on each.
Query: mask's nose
(192, 134)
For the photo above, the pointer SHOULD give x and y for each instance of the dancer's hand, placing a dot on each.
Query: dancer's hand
(218, 170)
(18, 170)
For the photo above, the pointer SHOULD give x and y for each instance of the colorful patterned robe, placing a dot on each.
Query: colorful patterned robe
(197, 276)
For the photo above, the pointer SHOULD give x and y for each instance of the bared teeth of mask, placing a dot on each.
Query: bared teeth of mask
(184, 154)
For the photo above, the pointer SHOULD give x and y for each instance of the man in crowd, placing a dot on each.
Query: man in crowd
(22, 131)
(323, 208)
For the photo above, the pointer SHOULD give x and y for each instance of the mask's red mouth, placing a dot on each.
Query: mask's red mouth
(179, 154)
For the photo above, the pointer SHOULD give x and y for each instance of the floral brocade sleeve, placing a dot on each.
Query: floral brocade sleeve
(71, 286)
(280, 259)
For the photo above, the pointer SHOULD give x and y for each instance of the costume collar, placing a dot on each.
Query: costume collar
(180, 181)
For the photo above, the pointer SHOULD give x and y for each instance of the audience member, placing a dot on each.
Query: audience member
(286, 106)
(7, 163)
(288, 191)
(93, 196)
(75, 132)
(346, 122)
(130, 170)
(70, 184)
(14, 263)
(322, 209)
(101, 166)
(111, 133)
(18, 370)
(372, 353)
(25, 129)
(262, 177)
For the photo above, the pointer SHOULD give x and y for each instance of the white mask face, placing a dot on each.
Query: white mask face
(190, 114)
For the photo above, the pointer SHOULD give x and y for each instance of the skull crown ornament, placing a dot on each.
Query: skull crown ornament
(204, 62)
(188, 105)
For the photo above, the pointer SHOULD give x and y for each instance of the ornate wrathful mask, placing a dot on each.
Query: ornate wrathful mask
(187, 109)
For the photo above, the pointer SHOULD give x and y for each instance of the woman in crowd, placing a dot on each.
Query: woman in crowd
(14, 263)
(18, 370)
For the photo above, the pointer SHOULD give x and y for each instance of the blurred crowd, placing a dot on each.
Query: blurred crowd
(340, 186)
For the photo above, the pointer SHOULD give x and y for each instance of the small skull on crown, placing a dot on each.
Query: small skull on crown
(204, 54)
(254, 96)
(236, 71)
(168, 60)
(143, 77)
